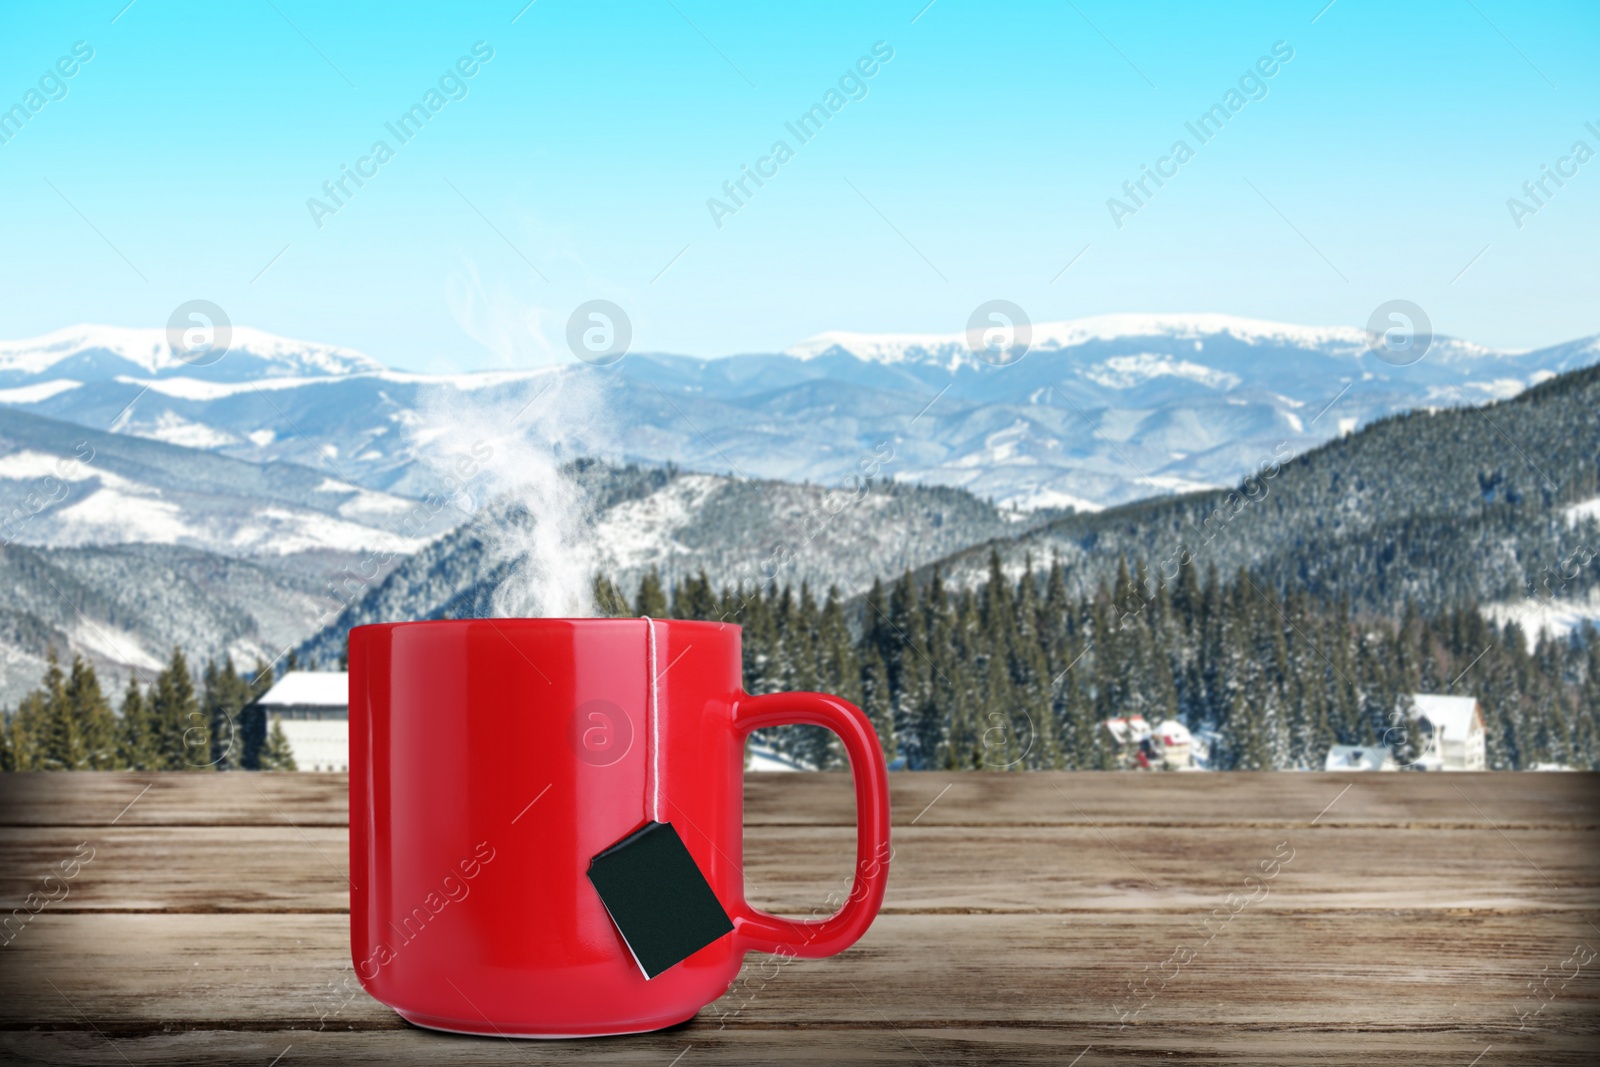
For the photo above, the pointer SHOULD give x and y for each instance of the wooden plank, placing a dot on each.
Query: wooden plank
(702, 1046)
(935, 868)
(1361, 971)
(1140, 869)
(88, 798)
(182, 869)
(1051, 798)
(973, 798)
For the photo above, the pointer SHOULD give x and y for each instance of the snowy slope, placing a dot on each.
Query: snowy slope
(740, 532)
(62, 485)
(119, 547)
(1436, 507)
(1553, 618)
(125, 606)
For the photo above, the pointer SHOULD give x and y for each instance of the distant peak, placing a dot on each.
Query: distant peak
(952, 347)
(148, 349)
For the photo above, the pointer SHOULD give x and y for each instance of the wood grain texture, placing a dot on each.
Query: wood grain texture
(907, 1046)
(1360, 971)
(935, 868)
(1407, 929)
(135, 798)
(1039, 798)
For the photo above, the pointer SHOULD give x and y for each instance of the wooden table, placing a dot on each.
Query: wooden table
(1409, 917)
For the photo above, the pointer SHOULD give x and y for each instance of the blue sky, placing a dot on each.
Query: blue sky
(977, 165)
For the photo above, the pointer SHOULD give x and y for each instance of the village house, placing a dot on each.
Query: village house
(1450, 732)
(313, 707)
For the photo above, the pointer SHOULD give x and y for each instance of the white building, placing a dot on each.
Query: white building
(1451, 735)
(1167, 747)
(1359, 758)
(313, 707)
(1175, 744)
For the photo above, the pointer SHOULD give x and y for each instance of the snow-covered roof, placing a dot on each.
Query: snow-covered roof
(1132, 728)
(315, 689)
(1357, 758)
(1457, 715)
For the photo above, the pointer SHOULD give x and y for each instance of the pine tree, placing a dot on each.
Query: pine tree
(260, 679)
(93, 722)
(181, 738)
(26, 724)
(252, 729)
(696, 600)
(760, 642)
(137, 740)
(59, 739)
(224, 697)
(839, 664)
(651, 601)
(276, 754)
(876, 702)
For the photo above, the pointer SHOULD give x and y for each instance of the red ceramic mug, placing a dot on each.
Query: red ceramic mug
(491, 759)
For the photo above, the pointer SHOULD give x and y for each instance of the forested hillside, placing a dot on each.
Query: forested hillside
(1440, 508)
(1020, 674)
(1014, 675)
(124, 606)
(675, 524)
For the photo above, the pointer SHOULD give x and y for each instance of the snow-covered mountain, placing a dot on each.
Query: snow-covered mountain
(124, 607)
(149, 501)
(120, 547)
(1099, 411)
(953, 350)
(1495, 507)
(95, 353)
(739, 532)
(64, 485)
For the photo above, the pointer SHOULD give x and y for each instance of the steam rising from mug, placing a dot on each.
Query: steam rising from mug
(536, 521)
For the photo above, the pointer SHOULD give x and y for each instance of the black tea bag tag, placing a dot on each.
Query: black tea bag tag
(661, 903)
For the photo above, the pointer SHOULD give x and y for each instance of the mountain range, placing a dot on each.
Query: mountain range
(287, 490)
(1485, 507)
(1099, 411)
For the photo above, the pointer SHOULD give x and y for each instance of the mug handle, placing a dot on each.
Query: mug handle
(764, 932)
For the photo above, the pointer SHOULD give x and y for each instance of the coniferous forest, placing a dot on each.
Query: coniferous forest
(167, 724)
(1010, 674)
(1021, 674)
